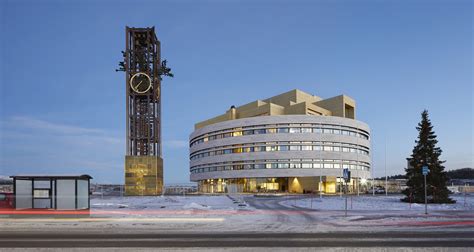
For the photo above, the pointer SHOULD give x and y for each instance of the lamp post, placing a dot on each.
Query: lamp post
(386, 179)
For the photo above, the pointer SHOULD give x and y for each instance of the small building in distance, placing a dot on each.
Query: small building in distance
(180, 189)
(61, 192)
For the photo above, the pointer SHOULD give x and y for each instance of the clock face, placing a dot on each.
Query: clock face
(140, 83)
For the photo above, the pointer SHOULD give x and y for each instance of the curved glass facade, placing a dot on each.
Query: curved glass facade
(287, 153)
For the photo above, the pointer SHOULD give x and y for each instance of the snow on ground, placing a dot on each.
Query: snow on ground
(377, 203)
(169, 203)
(271, 214)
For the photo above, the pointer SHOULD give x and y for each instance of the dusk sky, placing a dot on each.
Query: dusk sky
(62, 105)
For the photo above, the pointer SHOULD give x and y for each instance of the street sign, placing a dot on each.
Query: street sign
(346, 174)
(425, 170)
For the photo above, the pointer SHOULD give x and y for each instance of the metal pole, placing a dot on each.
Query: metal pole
(345, 194)
(321, 166)
(386, 179)
(358, 167)
(426, 197)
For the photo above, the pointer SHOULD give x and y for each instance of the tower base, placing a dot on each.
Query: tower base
(143, 175)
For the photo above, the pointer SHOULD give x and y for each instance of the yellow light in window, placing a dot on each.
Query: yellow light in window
(237, 133)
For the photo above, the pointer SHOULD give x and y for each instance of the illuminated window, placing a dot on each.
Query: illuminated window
(237, 150)
(306, 165)
(295, 130)
(306, 130)
(328, 166)
(295, 148)
(306, 147)
(295, 165)
(271, 148)
(259, 148)
(237, 133)
(248, 149)
(327, 131)
(271, 166)
(271, 131)
(283, 166)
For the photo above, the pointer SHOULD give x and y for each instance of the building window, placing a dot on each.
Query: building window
(283, 166)
(327, 148)
(283, 130)
(306, 165)
(284, 148)
(259, 131)
(41, 193)
(271, 131)
(295, 148)
(328, 166)
(295, 165)
(306, 147)
(237, 133)
(327, 131)
(295, 130)
(247, 132)
(306, 130)
(259, 166)
(272, 148)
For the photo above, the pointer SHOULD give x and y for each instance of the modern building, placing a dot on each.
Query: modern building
(293, 142)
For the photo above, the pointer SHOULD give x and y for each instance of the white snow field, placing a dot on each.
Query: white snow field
(246, 213)
(377, 203)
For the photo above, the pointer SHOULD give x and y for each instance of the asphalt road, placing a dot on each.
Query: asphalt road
(233, 240)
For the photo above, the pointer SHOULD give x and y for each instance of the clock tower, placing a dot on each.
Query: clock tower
(143, 70)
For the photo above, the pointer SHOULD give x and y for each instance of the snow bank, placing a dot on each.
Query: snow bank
(391, 202)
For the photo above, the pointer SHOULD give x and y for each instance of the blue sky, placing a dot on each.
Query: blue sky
(62, 105)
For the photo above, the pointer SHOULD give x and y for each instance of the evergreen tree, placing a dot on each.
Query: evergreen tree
(426, 153)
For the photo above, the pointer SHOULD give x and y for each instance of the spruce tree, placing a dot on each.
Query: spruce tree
(426, 153)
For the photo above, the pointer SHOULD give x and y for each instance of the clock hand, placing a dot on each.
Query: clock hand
(138, 84)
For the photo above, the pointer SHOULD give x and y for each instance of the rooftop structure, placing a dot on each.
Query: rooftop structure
(294, 102)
